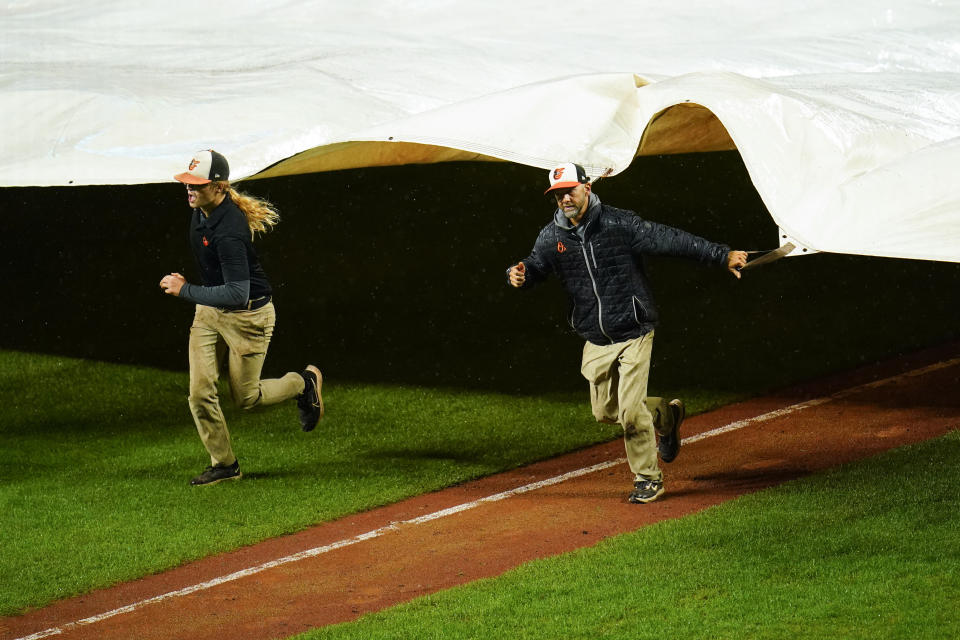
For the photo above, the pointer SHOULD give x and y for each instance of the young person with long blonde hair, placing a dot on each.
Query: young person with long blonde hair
(235, 316)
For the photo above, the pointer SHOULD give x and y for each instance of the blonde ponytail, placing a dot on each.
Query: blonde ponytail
(261, 215)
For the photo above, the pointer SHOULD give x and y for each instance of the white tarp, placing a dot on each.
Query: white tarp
(847, 114)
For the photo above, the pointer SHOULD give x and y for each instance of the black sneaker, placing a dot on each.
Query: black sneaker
(310, 402)
(218, 473)
(669, 445)
(645, 491)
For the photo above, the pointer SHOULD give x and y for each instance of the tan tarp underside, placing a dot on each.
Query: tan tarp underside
(682, 128)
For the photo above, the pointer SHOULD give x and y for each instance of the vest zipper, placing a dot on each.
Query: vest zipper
(593, 281)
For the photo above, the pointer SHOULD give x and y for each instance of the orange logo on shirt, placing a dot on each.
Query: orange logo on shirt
(206, 242)
(560, 247)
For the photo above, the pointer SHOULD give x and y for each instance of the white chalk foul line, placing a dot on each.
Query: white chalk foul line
(843, 393)
(436, 515)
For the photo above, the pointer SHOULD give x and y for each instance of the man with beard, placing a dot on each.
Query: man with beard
(597, 252)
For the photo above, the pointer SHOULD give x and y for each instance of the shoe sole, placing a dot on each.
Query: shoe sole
(319, 403)
(677, 421)
(217, 481)
(319, 375)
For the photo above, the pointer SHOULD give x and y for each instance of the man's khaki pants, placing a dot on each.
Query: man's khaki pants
(239, 339)
(618, 375)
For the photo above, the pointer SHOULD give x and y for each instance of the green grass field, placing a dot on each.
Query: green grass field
(95, 461)
(94, 477)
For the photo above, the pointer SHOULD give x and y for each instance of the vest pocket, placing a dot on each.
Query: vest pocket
(641, 313)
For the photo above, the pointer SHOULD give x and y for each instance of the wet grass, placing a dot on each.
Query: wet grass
(95, 461)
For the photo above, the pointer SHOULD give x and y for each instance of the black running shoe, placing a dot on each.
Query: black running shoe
(669, 445)
(218, 473)
(645, 491)
(310, 402)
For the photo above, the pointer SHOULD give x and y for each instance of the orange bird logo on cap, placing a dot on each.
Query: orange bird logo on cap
(558, 173)
(193, 164)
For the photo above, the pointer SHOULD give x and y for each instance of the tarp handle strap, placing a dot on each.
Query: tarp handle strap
(770, 256)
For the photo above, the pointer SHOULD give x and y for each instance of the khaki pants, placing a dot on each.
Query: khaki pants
(618, 375)
(239, 339)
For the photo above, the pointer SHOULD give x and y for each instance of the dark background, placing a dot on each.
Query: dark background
(396, 275)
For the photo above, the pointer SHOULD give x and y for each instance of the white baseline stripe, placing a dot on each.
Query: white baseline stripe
(436, 515)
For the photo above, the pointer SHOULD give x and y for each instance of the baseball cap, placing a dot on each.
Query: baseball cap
(566, 175)
(205, 166)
